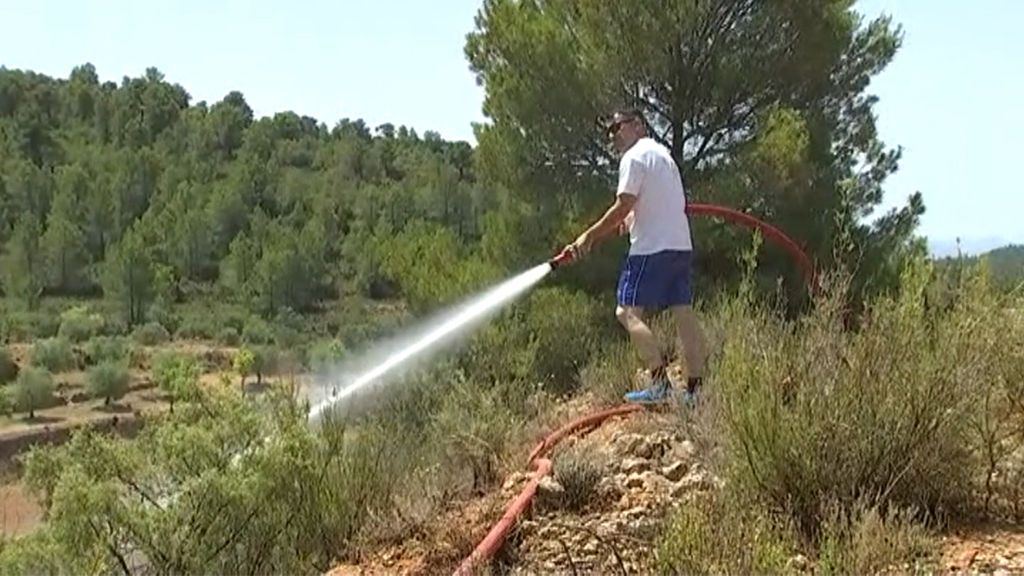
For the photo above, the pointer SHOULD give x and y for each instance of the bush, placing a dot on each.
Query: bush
(579, 472)
(8, 369)
(109, 381)
(546, 340)
(54, 354)
(151, 334)
(324, 354)
(816, 419)
(78, 324)
(175, 373)
(717, 534)
(24, 326)
(228, 336)
(257, 331)
(107, 349)
(291, 507)
(33, 390)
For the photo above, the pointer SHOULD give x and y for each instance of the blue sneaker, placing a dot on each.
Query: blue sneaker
(659, 391)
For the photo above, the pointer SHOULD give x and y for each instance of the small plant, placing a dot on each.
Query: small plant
(33, 390)
(579, 472)
(257, 331)
(243, 363)
(78, 324)
(107, 349)
(54, 354)
(325, 353)
(228, 336)
(109, 381)
(151, 334)
(175, 373)
(8, 369)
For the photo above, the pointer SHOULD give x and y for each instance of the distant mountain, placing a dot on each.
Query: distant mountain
(1006, 264)
(968, 246)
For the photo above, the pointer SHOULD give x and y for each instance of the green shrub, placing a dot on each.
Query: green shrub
(78, 324)
(547, 340)
(8, 369)
(175, 373)
(108, 380)
(33, 390)
(718, 534)
(228, 336)
(579, 472)
(257, 331)
(815, 417)
(151, 334)
(324, 354)
(195, 328)
(103, 349)
(54, 354)
(25, 326)
(295, 503)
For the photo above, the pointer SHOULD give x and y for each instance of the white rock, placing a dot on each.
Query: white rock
(550, 493)
(515, 480)
(798, 562)
(634, 481)
(643, 449)
(631, 465)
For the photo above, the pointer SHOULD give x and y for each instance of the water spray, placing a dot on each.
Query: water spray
(391, 356)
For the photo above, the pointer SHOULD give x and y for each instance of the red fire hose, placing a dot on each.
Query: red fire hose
(496, 537)
(771, 232)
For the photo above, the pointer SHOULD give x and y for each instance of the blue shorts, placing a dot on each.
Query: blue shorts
(658, 280)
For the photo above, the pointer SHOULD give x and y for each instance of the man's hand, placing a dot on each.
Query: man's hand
(582, 245)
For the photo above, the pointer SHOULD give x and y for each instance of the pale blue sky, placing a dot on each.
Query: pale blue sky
(953, 97)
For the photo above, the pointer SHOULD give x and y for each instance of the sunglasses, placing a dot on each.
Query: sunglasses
(614, 127)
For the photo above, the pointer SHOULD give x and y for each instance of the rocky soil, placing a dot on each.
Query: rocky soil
(600, 511)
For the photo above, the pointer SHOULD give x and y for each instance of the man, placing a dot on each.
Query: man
(651, 203)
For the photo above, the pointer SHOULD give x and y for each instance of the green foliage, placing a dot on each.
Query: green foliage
(103, 349)
(819, 413)
(151, 334)
(543, 341)
(257, 331)
(108, 380)
(32, 390)
(324, 354)
(579, 472)
(8, 369)
(287, 506)
(78, 324)
(228, 336)
(720, 534)
(176, 374)
(54, 354)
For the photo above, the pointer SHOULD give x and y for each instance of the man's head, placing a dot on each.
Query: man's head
(625, 128)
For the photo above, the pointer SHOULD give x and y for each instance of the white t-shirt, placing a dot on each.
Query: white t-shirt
(658, 221)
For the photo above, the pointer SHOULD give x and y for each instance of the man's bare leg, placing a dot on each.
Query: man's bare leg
(643, 338)
(694, 342)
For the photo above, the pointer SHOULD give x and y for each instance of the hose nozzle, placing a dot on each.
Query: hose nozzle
(564, 257)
